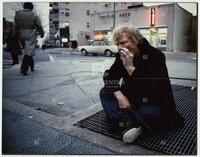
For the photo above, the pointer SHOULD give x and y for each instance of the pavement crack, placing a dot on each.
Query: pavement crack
(83, 91)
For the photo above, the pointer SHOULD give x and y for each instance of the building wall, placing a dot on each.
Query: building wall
(80, 23)
(194, 34)
(52, 18)
(182, 29)
(168, 16)
(140, 18)
(84, 27)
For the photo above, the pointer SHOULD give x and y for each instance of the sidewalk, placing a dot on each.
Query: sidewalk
(59, 94)
(32, 137)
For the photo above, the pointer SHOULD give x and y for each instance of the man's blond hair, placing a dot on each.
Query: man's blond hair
(130, 31)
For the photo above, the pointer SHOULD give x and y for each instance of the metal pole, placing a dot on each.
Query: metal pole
(113, 15)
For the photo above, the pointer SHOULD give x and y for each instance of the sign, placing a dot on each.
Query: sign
(153, 12)
(108, 16)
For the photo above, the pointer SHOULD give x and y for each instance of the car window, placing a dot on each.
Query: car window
(110, 43)
(107, 43)
(97, 43)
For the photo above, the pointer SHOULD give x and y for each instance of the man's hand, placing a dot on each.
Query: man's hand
(127, 58)
(122, 100)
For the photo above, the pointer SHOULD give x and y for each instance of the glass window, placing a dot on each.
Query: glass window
(162, 37)
(64, 12)
(97, 43)
(146, 33)
(87, 12)
(88, 25)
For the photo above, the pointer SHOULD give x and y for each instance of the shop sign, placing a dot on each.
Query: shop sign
(153, 12)
(125, 14)
(108, 16)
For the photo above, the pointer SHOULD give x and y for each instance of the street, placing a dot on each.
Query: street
(64, 88)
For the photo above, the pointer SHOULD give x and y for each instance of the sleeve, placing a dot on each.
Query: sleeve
(15, 26)
(38, 25)
(112, 76)
(164, 95)
(161, 84)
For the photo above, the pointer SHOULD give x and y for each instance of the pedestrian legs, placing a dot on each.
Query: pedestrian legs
(14, 58)
(24, 65)
(31, 63)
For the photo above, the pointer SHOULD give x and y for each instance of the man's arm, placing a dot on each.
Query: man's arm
(38, 26)
(127, 59)
(112, 76)
(15, 26)
(122, 100)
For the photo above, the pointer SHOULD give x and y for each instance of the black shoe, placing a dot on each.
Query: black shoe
(32, 69)
(24, 73)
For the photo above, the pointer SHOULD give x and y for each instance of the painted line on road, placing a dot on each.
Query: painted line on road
(51, 58)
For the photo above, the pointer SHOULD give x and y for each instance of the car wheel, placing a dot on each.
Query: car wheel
(84, 52)
(108, 53)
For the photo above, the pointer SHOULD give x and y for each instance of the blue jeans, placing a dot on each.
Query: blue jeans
(150, 114)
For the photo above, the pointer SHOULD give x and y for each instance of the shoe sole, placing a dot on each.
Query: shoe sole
(131, 135)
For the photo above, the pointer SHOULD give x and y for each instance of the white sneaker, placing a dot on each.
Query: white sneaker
(132, 134)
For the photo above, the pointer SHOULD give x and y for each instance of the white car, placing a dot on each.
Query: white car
(99, 47)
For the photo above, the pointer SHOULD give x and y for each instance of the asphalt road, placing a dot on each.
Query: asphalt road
(64, 54)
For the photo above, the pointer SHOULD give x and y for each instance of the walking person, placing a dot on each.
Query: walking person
(144, 99)
(26, 25)
(13, 46)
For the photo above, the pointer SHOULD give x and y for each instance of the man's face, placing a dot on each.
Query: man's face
(125, 42)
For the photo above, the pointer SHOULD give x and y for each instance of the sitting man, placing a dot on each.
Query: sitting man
(144, 98)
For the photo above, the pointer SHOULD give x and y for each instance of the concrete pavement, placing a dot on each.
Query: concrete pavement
(60, 93)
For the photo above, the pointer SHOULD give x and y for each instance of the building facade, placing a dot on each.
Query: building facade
(75, 19)
(167, 27)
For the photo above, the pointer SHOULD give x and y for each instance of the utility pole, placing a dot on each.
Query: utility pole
(113, 16)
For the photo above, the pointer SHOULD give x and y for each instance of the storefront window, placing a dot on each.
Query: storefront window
(162, 38)
(157, 37)
(146, 33)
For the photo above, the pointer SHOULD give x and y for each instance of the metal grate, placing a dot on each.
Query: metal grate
(23, 136)
(180, 141)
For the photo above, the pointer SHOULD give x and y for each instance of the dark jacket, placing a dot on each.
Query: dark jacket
(13, 44)
(149, 83)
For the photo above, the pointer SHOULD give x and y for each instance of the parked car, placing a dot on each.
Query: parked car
(99, 47)
(49, 44)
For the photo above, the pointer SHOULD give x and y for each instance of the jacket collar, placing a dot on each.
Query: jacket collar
(144, 49)
(144, 46)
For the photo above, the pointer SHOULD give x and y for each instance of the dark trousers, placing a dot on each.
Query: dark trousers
(26, 62)
(150, 114)
(14, 58)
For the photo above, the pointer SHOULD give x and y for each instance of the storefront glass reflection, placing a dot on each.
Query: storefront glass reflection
(157, 37)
